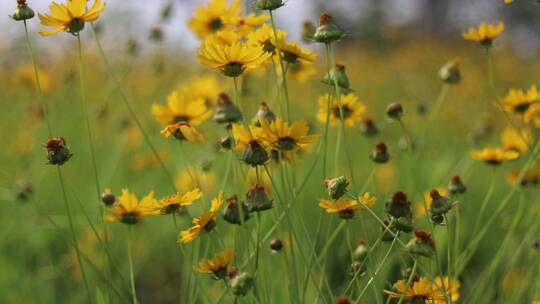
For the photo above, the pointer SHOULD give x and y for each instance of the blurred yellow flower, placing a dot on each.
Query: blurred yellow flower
(518, 101)
(129, 210)
(70, 17)
(429, 292)
(140, 161)
(191, 178)
(301, 70)
(292, 52)
(223, 38)
(532, 115)
(421, 210)
(203, 223)
(494, 156)
(484, 33)
(173, 203)
(264, 37)
(180, 109)
(218, 265)
(183, 131)
(206, 87)
(353, 110)
(25, 75)
(282, 136)
(232, 60)
(512, 140)
(367, 200)
(217, 15)
(246, 24)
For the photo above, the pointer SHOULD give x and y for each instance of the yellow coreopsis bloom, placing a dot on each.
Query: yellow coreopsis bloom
(512, 140)
(173, 203)
(494, 156)
(280, 135)
(206, 87)
(344, 207)
(292, 52)
(218, 265)
(241, 136)
(246, 24)
(70, 17)
(191, 178)
(532, 115)
(129, 210)
(180, 109)
(203, 223)
(264, 37)
(450, 288)
(301, 70)
(353, 110)
(367, 200)
(420, 290)
(217, 15)
(232, 60)
(518, 101)
(485, 33)
(183, 131)
(223, 38)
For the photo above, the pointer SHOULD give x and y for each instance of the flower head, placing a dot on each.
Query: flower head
(264, 36)
(183, 131)
(232, 60)
(292, 53)
(532, 115)
(516, 141)
(351, 109)
(367, 200)
(173, 203)
(280, 135)
(180, 109)
(218, 265)
(70, 17)
(422, 289)
(246, 24)
(205, 87)
(494, 156)
(217, 15)
(519, 101)
(129, 210)
(485, 33)
(344, 207)
(203, 223)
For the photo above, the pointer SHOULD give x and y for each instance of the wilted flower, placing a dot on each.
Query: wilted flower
(265, 113)
(203, 223)
(257, 200)
(456, 186)
(395, 110)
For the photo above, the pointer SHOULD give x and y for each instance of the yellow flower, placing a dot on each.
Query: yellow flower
(420, 290)
(70, 17)
(173, 203)
(367, 200)
(484, 33)
(512, 140)
(264, 37)
(203, 223)
(292, 52)
(301, 70)
(25, 75)
(518, 101)
(450, 288)
(282, 136)
(353, 110)
(246, 24)
(180, 109)
(494, 156)
(129, 210)
(214, 17)
(223, 38)
(183, 131)
(217, 265)
(191, 178)
(531, 177)
(241, 136)
(421, 210)
(232, 60)
(205, 87)
(344, 207)
(532, 115)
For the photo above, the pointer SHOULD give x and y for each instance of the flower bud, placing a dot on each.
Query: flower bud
(450, 73)
(399, 206)
(340, 76)
(421, 244)
(226, 110)
(380, 153)
(269, 5)
(440, 205)
(327, 31)
(336, 187)
(57, 151)
(456, 186)
(226, 143)
(242, 283)
(255, 154)
(394, 110)
(368, 127)
(233, 214)
(276, 245)
(22, 12)
(108, 198)
(308, 30)
(257, 200)
(361, 251)
(264, 113)
(404, 224)
(24, 190)
(156, 34)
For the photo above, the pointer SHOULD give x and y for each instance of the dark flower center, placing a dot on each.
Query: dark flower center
(215, 24)
(130, 218)
(286, 143)
(181, 118)
(233, 69)
(172, 208)
(345, 109)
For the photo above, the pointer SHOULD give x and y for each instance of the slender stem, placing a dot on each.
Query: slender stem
(131, 273)
(281, 65)
(132, 113)
(439, 102)
(409, 281)
(258, 242)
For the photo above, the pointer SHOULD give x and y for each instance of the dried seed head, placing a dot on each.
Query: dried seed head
(57, 151)
(450, 73)
(276, 245)
(394, 110)
(255, 154)
(338, 76)
(399, 206)
(421, 244)
(257, 200)
(456, 186)
(327, 31)
(226, 110)
(264, 113)
(368, 127)
(380, 153)
(22, 12)
(236, 212)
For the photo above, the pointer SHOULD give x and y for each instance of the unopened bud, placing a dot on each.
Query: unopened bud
(308, 30)
(338, 76)
(22, 12)
(233, 214)
(226, 110)
(456, 186)
(399, 206)
(264, 113)
(255, 154)
(380, 154)
(394, 110)
(327, 31)
(269, 5)
(450, 72)
(336, 187)
(226, 143)
(276, 245)
(108, 198)
(257, 200)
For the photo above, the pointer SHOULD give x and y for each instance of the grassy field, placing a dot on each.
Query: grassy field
(402, 172)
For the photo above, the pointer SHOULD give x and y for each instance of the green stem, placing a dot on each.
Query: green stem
(281, 65)
(439, 102)
(409, 281)
(131, 273)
